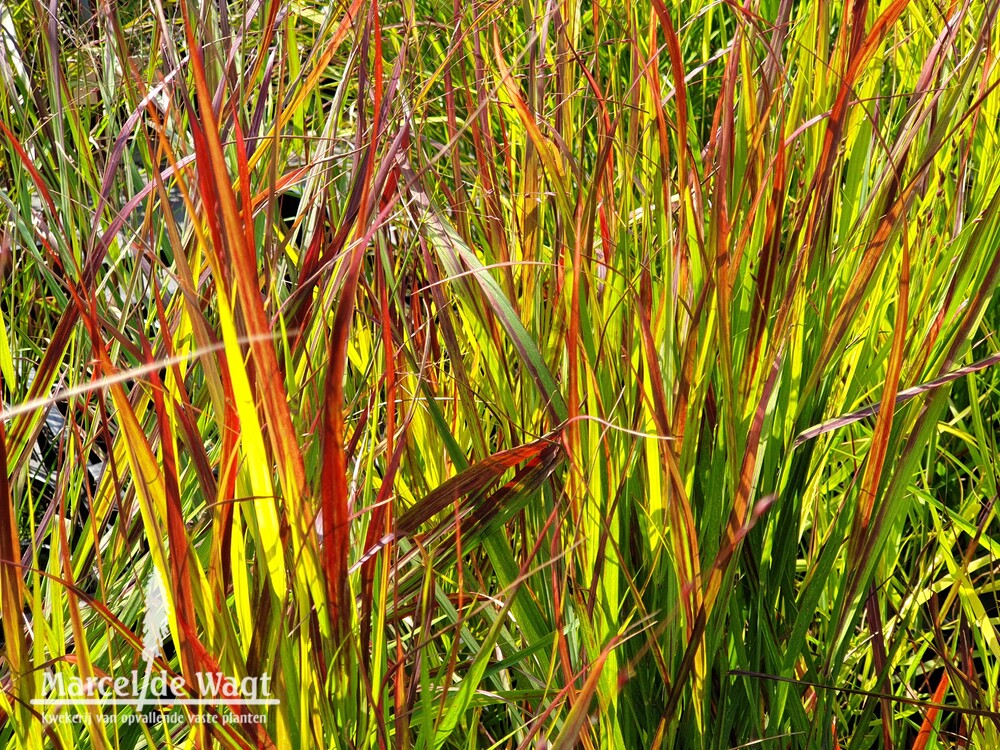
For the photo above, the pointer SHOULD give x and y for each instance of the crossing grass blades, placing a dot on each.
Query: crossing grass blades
(497, 374)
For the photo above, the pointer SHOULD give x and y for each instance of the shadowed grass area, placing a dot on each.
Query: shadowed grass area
(517, 375)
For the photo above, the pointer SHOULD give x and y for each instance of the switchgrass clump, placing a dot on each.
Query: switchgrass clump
(515, 375)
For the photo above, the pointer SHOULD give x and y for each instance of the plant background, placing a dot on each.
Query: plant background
(497, 374)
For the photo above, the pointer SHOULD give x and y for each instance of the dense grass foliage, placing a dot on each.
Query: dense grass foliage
(540, 374)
